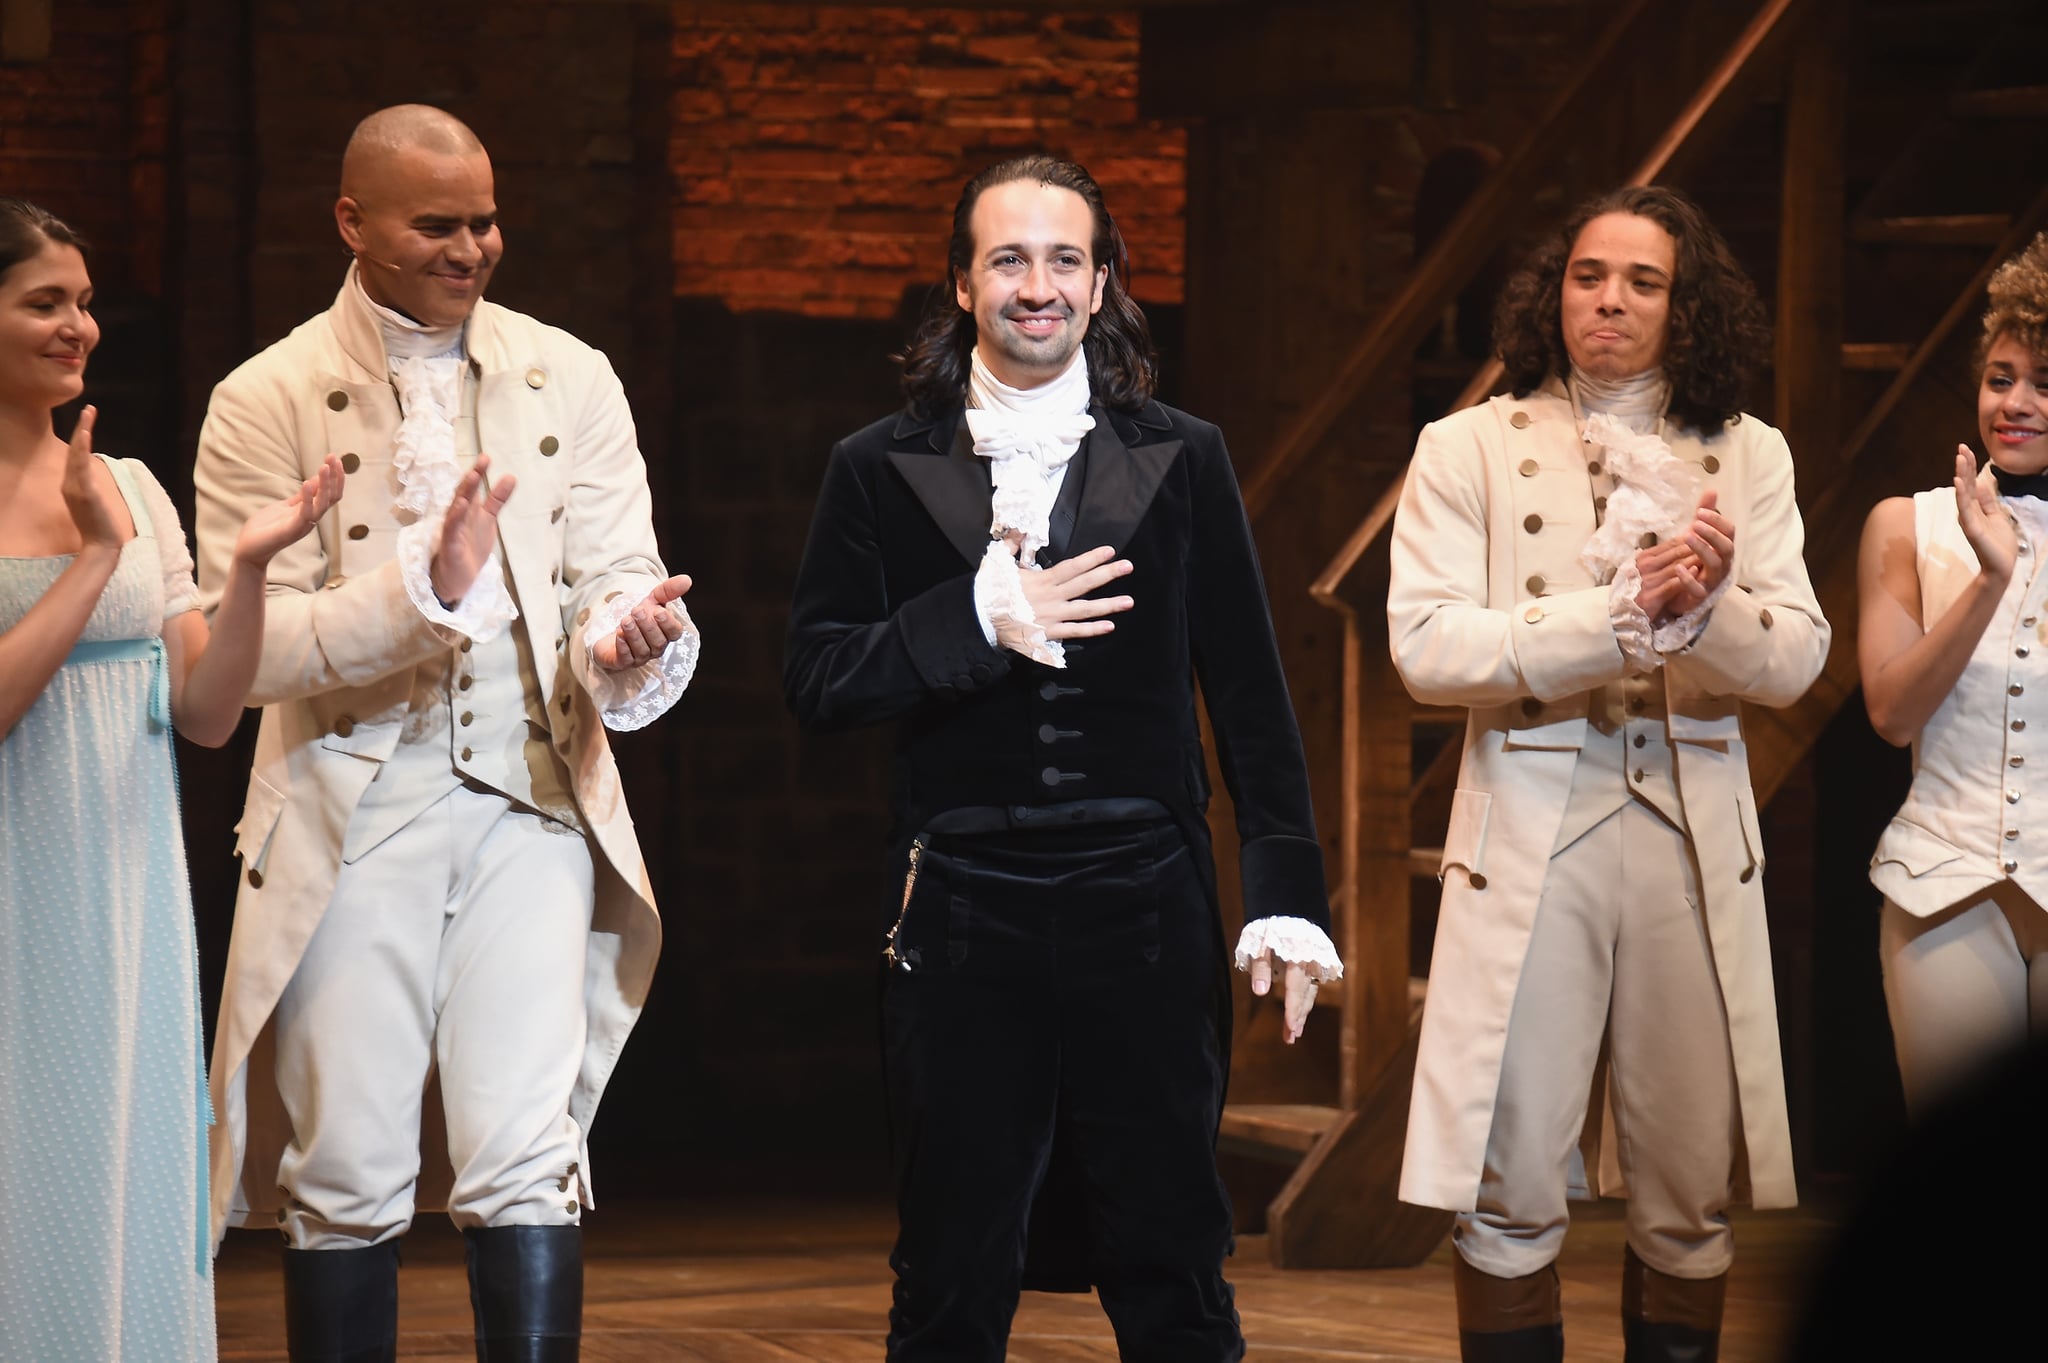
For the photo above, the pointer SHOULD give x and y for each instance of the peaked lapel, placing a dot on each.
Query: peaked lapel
(938, 462)
(1126, 462)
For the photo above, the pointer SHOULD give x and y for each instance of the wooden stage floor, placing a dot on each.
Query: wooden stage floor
(808, 1282)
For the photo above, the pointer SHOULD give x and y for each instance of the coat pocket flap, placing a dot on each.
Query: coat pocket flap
(1917, 849)
(1725, 727)
(1465, 839)
(1558, 735)
(260, 814)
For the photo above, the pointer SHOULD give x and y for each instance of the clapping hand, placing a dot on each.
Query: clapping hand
(1990, 531)
(646, 632)
(285, 521)
(1298, 992)
(1685, 569)
(469, 531)
(85, 494)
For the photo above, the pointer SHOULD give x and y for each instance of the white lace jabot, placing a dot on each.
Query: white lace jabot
(1028, 435)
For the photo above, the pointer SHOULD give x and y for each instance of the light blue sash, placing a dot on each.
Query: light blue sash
(135, 650)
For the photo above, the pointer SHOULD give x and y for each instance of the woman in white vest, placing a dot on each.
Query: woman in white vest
(1954, 614)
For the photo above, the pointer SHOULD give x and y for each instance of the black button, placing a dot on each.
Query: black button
(1022, 813)
(1049, 691)
(980, 671)
(1050, 776)
(1048, 734)
(1531, 706)
(963, 680)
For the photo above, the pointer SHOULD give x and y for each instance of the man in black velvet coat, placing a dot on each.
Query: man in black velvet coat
(1056, 1003)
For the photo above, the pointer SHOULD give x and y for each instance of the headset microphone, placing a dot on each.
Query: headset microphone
(365, 255)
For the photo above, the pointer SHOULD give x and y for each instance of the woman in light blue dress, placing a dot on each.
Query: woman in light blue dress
(104, 1250)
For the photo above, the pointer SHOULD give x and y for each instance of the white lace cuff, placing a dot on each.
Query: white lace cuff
(999, 593)
(985, 583)
(635, 697)
(1680, 633)
(484, 610)
(1293, 941)
(1631, 622)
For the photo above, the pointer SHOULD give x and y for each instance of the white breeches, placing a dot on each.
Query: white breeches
(457, 944)
(1964, 986)
(1619, 947)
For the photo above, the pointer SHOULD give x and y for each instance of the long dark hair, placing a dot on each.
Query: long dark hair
(1123, 369)
(26, 229)
(1717, 338)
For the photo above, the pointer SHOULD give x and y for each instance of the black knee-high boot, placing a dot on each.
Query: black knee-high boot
(526, 1285)
(1666, 1319)
(341, 1305)
(1509, 1320)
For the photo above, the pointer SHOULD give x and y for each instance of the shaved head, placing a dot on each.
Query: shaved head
(419, 213)
(398, 129)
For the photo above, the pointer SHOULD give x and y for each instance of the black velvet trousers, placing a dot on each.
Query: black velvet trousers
(1062, 990)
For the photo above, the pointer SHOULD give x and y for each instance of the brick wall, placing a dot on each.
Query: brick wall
(819, 150)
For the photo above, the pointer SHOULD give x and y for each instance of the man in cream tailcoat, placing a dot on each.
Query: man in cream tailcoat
(1603, 567)
(445, 930)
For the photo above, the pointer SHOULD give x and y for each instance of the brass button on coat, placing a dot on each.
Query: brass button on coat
(465, 645)
(1649, 540)
(1477, 879)
(344, 726)
(536, 378)
(465, 683)
(358, 532)
(1532, 522)
(548, 444)
(1640, 740)
(468, 718)
(1594, 468)
(1763, 617)
(1528, 468)
(1748, 874)
(351, 461)
(1519, 420)
(255, 879)
(466, 754)
(1533, 614)
(1712, 463)
(1535, 585)
(554, 515)
(2015, 690)
(1531, 706)
(337, 400)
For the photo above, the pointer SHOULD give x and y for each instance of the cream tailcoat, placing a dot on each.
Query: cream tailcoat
(342, 638)
(1489, 609)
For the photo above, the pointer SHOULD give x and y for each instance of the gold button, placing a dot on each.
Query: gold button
(2019, 726)
(351, 461)
(1478, 879)
(255, 879)
(1640, 740)
(1529, 467)
(1748, 874)
(570, 1208)
(1531, 706)
(1519, 420)
(1535, 585)
(554, 515)
(466, 754)
(337, 400)
(548, 444)
(1532, 522)
(2017, 762)
(1712, 463)
(465, 683)
(468, 718)
(1600, 506)
(1639, 774)
(536, 378)
(357, 532)
(1594, 468)
(1533, 614)
(554, 575)
(2015, 690)
(2012, 834)
(465, 645)
(583, 616)
(1763, 617)
(1648, 541)
(344, 726)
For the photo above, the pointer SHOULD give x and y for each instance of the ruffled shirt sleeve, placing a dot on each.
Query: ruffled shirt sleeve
(484, 610)
(1293, 941)
(635, 697)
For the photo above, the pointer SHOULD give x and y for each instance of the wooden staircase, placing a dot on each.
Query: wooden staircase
(1877, 311)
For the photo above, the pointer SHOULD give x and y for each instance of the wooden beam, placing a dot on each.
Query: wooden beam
(1812, 208)
(24, 30)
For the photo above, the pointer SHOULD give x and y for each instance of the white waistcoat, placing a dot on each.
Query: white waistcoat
(1972, 818)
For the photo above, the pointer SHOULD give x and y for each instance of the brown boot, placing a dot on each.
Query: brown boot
(1666, 1319)
(1509, 1320)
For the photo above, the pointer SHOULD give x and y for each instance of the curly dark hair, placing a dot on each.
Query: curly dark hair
(1718, 336)
(2019, 301)
(26, 229)
(1123, 368)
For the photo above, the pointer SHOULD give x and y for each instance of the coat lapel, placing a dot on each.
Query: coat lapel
(1126, 461)
(952, 485)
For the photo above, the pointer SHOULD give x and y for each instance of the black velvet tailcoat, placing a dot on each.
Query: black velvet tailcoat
(883, 629)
